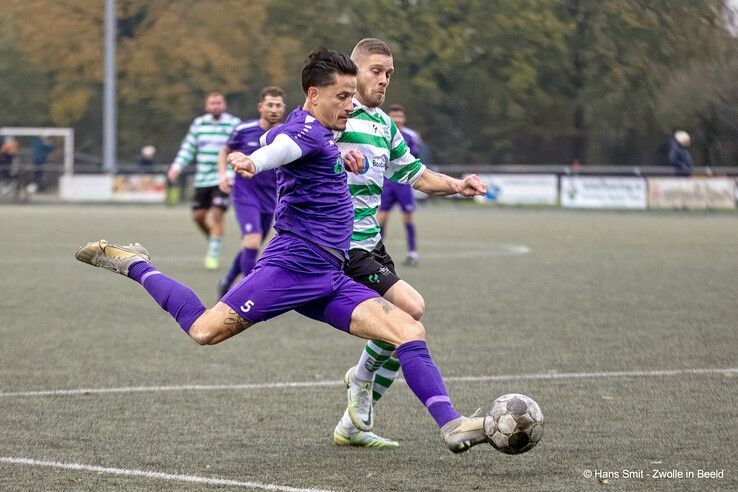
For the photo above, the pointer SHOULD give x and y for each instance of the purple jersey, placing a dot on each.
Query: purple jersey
(314, 199)
(261, 190)
(412, 140)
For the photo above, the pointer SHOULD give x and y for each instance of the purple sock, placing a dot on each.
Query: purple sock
(235, 269)
(248, 260)
(175, 298)
(410, 229)
(424, 379)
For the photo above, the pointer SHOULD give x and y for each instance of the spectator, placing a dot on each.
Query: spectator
(40, 150)
(8, 150)
(146, 157)
(678, 156)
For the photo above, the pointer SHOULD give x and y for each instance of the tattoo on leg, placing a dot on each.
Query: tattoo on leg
(386, 306)
(235, 324)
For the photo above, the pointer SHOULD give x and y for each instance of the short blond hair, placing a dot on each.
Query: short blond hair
(370, 46)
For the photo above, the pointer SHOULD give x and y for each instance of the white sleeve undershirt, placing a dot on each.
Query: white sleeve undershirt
(281, 151)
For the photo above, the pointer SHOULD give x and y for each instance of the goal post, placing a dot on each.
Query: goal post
(67, 134)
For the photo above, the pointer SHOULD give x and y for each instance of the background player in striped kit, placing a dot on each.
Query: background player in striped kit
(207, 135)
(371, 132)
(401, 194)
(254, 200)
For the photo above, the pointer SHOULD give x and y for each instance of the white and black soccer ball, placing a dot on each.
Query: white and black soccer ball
(514, 423)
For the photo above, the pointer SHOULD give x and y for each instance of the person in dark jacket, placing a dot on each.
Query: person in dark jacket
(678, 156)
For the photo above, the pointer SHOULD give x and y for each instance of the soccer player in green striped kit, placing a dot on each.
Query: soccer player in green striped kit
(207, 135)
(371, 132)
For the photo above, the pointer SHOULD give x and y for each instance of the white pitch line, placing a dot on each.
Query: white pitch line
(312, 384)
(156, 475)
(594, 375)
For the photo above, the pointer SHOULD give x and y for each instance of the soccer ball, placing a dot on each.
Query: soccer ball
(514, 424)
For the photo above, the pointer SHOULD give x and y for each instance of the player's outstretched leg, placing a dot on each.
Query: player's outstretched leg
(424, 379)
(379, 319)
(132, 260)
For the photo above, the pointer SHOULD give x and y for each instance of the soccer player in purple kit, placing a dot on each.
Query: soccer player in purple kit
(399, 193)
(301, 269)
(254, 200)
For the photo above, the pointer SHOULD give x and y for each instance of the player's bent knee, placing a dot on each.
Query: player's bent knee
(200, 336)
(417, 308)
(413, 330)
(202, 332)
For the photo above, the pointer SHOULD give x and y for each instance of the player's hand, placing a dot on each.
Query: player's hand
(354, 162)
(173, 173)
(241, 164)
(471, 186)
(225, 184)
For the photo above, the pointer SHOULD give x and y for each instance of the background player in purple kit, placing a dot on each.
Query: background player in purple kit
(402, 194)
(301, 269)
(254, 200)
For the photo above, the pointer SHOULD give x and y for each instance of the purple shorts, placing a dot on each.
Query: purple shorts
(251, 219)
(296, 274)
(397, 193)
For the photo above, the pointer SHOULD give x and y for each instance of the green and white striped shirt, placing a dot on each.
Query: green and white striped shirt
(372, 133)
(204, 140)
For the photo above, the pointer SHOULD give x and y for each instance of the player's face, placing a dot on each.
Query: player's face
(271, 109)
(215, 105)
(398, 117)
(373, 78)
(332, 104)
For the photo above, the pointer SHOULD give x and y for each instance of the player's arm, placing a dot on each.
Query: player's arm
(186, 154)
(282, 150)
(437, 184)
(225, 179)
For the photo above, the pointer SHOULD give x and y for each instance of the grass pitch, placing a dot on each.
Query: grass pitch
(605, 319)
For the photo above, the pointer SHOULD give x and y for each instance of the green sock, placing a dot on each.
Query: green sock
(374, 355)
(377, 362)
(385, 376)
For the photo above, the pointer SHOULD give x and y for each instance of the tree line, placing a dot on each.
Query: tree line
(483, 81)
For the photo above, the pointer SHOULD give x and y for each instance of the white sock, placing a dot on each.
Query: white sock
(347, 423)
(214, 246)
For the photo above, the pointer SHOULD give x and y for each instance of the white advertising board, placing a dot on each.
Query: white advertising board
(603, 192)
(520, 189)
(94, 187)
(691, 193)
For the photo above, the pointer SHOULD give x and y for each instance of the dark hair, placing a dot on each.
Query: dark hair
(370, 46)
(272, 91)
(321, 66)
(396, 107)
